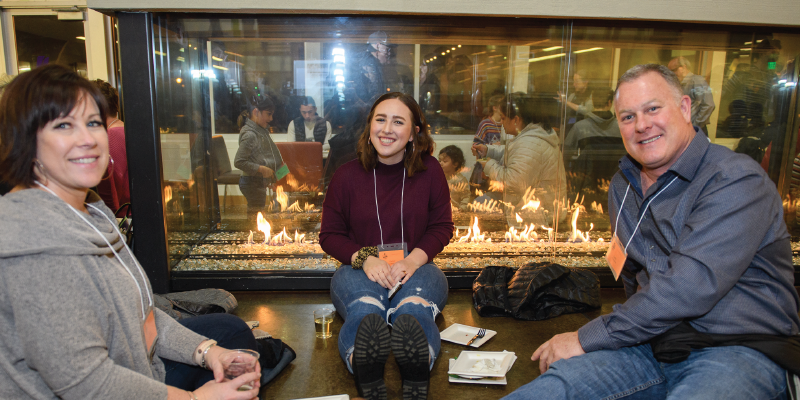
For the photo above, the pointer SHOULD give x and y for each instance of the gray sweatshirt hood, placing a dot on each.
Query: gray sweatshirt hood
(27, 228)
(602, 122)
(551, 137)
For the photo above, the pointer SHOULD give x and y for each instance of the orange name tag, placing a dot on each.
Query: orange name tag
(391, 256)
(150, 332)
(616, 257)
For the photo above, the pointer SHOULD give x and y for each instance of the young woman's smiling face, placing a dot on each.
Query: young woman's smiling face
(390, 130)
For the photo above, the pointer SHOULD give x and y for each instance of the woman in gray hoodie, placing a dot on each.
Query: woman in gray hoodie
(532, 161)
(76, 309)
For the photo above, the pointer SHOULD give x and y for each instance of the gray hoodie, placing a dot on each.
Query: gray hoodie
(70, 313)
(593, 125)
(533, 159)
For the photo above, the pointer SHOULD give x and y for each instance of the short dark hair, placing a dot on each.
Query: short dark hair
(455, 154)
(110, 93)
(537, 108)
(421, 144)
(257, 101)
(604, 95)
(638, 71)
(31, 101)
(262, 103)
(308, 101)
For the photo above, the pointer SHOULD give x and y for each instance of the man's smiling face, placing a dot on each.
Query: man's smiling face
(654, 120)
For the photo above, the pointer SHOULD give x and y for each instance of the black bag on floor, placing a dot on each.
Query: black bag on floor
(275, 356)
(535, 292)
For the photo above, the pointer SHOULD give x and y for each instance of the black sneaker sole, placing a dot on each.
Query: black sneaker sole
(410, 347)
(369, 357)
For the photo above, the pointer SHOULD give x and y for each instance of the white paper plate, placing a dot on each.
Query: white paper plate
(461, 334)
(467, 359)
(336, 397)
(481, 381)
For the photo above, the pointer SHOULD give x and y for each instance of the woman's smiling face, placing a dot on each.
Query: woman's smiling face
(74, 149)
(391, 129)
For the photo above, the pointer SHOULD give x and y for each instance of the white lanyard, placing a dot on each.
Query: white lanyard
(643, 213)
(78, 213)
(402, 194)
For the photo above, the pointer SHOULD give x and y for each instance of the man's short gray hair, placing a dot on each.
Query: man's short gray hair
(638, 71)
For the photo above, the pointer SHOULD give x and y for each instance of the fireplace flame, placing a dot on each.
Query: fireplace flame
(527, 235)
(280, 239)
(549, 233)
(496, 186)
(458, 187)
(519, 219)
(281, 198)
(474, 235)
(577, 236)
(533, 205)
(309, 208)
(478, 192)
(530, 201)
(292, 182)
(263, 226)
(490, 205)
(604, 185)
(250, 238)
(299, 238)
(295, 207)
(597, 207)
(167, 194)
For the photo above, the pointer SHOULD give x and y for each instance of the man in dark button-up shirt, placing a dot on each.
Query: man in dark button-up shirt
(706, 244)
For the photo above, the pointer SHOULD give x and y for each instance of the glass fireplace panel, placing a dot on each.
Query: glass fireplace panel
(210, 70)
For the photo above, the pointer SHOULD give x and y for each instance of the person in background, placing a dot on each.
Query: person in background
(451, 158)
(710, 312)
(312, 127)
(490, 127)
(532, 160)
(365, 217)
(258, 157)
(367, 72)
(601, 122)
(580, 101)
(64, 263)
(114, 189)
(697, 89)
(429, 89)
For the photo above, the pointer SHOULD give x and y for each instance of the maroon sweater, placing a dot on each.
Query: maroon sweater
(350, 222)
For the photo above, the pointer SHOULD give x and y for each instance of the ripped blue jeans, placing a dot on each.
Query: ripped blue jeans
(355, 297)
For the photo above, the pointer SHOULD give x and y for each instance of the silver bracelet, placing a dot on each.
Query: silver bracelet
(202, 350)
(213, 343)
(192, 396)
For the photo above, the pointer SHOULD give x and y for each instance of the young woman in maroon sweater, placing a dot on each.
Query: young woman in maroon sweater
(394, 196)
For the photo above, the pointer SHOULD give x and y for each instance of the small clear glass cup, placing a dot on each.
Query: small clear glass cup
(238, 362)
(322, 322)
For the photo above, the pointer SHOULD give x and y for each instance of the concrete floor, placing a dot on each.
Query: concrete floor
(318, 370)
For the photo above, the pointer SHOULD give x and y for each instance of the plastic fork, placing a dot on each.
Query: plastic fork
(481, 333)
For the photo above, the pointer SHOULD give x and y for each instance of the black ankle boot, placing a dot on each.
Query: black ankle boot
(410, 347)
(370, 353)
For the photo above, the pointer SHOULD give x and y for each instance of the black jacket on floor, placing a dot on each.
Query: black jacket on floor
(535, 291)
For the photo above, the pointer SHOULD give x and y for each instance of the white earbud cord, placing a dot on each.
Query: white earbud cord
(125, 266)
(643, 213)
(402, 196)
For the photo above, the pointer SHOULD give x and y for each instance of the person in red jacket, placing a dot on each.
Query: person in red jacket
(385, 217)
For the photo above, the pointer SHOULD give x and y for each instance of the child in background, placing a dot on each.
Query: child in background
(451, 158)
